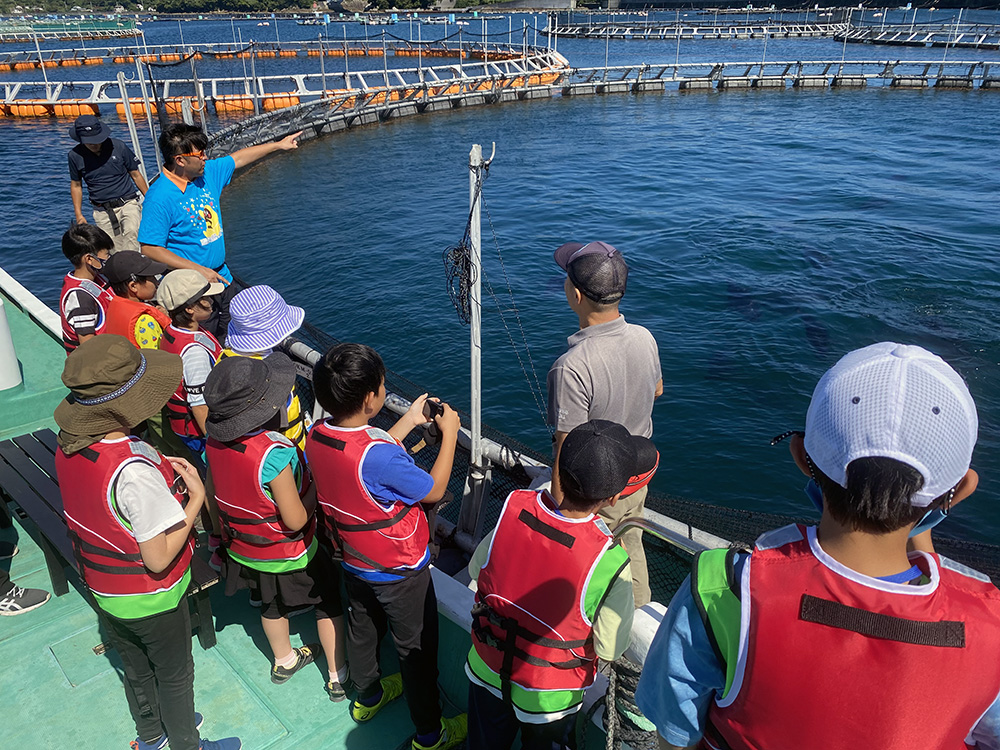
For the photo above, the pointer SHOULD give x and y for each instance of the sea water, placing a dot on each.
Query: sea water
(767, 233)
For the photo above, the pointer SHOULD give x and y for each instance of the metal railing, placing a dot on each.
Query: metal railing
(648, 526)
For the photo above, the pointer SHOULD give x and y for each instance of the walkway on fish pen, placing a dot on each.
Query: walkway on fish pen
(967, 35)
(359, 97)
(32, 59)
(47, 31)
(671, 30)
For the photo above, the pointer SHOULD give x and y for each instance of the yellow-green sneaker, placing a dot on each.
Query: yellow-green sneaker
(453, 733)
(392, 688)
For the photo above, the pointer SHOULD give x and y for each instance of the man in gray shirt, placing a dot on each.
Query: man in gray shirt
(611, 371)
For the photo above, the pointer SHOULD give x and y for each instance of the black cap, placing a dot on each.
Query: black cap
(89, 129)
(597, 269)
(128, 265)
(243, 393)
(601, 457)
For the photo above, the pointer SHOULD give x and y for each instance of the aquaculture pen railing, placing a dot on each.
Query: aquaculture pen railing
(961, 35)
(693, 30)
(29, 59)
(302, 85)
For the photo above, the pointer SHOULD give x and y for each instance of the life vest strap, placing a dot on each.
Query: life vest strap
(484, 610)
(330, 442)
(255, 539)
(93, 549)
(376, 525)
(549, 532)
(944, 633)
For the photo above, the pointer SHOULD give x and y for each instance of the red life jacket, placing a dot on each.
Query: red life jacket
(177, 341)
(530, 628)
(836, 660)
(99, 290)
(105, 547)
(251, 523)
(370, 535)
(124, 314)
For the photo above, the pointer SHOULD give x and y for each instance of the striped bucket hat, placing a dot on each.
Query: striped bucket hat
(260, 320)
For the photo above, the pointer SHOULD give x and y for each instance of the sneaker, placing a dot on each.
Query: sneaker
(304, 656)
(230, 743)
(162, 742)
(453, 734)
(7, 550)
(392, 688)
(336, 691)
(18, 600)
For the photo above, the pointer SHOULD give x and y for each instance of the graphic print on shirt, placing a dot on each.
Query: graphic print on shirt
(204, 216)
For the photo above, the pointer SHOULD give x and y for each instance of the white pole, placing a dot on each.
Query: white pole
(41, 64)
(475, 303)
(149, 111)
(10, 369)
(133, 134)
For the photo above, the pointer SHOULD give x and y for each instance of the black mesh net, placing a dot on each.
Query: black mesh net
(668, 566)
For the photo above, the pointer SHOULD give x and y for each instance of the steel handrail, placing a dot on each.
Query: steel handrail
(689, 546)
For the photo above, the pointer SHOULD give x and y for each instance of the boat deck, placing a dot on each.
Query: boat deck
(57, 691)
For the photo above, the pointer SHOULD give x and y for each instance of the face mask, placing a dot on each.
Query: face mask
(101, 262)
(931, 519)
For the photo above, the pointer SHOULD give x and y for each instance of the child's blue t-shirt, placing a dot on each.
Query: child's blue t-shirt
(682, 675)
(189, 222)
(390, 475)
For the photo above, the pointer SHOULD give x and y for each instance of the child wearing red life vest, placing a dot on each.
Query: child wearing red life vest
(852, 633)
(554, 594)
(129, 512)
(372, 495)
(131, 314)
(85, 295)
(267, 507)
(185, 295)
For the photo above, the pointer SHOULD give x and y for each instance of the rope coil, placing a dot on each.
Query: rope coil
(625, 722)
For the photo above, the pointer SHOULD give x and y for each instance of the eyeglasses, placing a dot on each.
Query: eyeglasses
(197, 154)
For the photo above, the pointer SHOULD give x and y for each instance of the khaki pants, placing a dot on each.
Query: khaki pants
(121, 223)
(625, 509)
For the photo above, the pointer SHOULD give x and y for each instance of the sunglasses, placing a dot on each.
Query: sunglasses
(197, 154)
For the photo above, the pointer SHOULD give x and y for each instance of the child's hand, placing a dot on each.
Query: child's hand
(415, 414)
(448, 420)
(191, 477)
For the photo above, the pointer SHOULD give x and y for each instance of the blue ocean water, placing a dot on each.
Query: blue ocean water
(768, 233)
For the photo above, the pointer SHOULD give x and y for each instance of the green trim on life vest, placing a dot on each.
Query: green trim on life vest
(529, 701)
(714, 588)
(136, 606)
(610, 565)
(278, 566)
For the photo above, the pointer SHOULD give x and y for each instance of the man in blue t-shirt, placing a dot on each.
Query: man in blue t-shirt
(182, 215)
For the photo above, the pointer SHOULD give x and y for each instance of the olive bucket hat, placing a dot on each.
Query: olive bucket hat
(113, 386)
(244, 393)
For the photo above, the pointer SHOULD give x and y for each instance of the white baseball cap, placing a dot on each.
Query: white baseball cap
(894, 401)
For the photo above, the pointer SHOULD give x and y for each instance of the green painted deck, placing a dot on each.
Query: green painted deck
(58, 692)
(29, 406)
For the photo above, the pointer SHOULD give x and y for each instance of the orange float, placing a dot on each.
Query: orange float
(75, 108)
(93, 61)
(31, 108)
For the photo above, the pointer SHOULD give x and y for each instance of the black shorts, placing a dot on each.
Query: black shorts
(317, 585)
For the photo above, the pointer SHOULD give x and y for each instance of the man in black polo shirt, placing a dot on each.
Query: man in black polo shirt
(114, 182)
